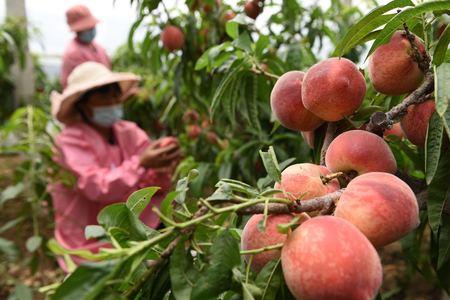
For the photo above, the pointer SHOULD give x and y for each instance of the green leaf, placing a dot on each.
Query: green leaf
(444, 242)
(261, 45)
(437, 193)
(22, 292)
(11, 192)
(369, 22)
(442, 89)
(269, 280)
(249, 291)
(433, 146)
(137, 201)
(217, 277)
(232, 29)
(270, 162)
(33, 243)
(441, 47)
(118, 215)
(243, 42)
(234, 70)
(9, 249)
(183, 186)
(180, 264)
(86, 282)
(94, 232)
(405, 16)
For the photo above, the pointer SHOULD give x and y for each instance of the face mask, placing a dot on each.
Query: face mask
(106, 116)
(87, 36)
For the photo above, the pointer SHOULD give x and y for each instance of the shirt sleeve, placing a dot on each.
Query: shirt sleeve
(97, 183)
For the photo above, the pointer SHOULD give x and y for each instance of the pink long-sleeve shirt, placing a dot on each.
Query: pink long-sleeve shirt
(105, 174)
(77, 53)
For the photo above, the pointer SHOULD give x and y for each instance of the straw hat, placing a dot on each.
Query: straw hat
(79, 18)
(87, 76)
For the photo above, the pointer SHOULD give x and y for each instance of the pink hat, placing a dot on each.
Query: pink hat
(84, 77)
(79, 18)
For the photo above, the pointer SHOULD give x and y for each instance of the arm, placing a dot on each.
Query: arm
(97, 183)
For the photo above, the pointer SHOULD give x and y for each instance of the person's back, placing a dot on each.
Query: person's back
(82, 48)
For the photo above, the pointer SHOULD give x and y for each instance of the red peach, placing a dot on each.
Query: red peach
(287, 106)
(392, 68)
(252, 9)
(396, 130)
(381, 205)
(333, 89)
(308, 136)
(415, 122)
(252, 238)
(360, 151)
(329, 258)
(303, 181)
(193, 131)
(229, 15)
(172, 37)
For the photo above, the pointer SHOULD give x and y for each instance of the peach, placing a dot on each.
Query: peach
(303, 181)
(252, 238)
(229, 15)
(392, 67)
(415, 122)
(396, 130)
(287, 106)
(360, 151)
(333, 89)
(308, 136)
(252, 9)
(381, 205)
(172, 38)
(193, 131)
(329, 258)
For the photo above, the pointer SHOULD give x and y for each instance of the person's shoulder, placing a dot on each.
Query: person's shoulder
(73, 131)
(124, 125)
(72, 49)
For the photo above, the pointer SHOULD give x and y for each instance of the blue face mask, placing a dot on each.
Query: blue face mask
(87, 36)
(106, 116)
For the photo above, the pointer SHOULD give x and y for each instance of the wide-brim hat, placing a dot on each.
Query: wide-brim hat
(79, 18)
(85, 77)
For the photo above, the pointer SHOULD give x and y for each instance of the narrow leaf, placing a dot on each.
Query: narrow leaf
(137, 201)
(441, 47)
(433, 146)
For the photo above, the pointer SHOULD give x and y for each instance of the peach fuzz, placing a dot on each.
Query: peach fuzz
(287, 106)
(302, 181)
(381, 205)
(172, 38)
(415, 122)
(333, 89)
(252, 238)
(360, 151)
(392, 68)
(328, 258)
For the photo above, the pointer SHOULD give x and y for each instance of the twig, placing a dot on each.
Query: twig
(423, 60)
(329, 137)
(379, 121)
(265, 73)
(261, 250)
(327, 178)
(297, 206)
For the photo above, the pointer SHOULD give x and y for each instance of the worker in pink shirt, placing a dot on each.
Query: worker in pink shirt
(110, 157)
(82, 48)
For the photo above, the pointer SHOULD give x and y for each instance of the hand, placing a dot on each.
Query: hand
(157, 156)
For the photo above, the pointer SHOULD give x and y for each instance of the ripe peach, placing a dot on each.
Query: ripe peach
(252, 238)
(308, 136)
(229, 15)
(381, 205)
(392, 68)
(415, 122)
(329, 258)
(172, 37)
(287, 106)
(333, 89)
(360, 151)
(193, 131)
(396, 130)
(302, 181)
(252, 9)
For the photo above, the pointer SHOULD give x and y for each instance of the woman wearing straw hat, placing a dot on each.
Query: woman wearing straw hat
(110, 157)
(82, 48)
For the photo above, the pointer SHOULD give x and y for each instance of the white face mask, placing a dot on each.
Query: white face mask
(106, 116)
